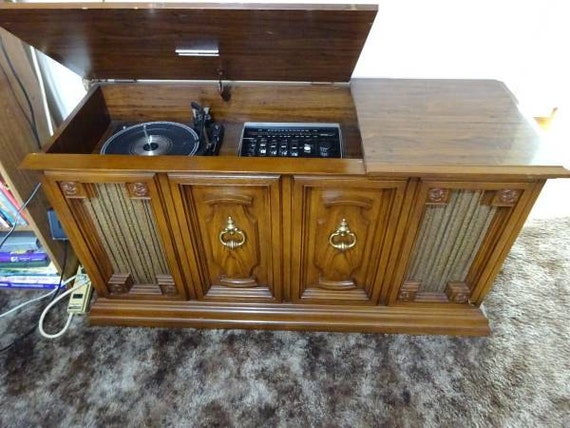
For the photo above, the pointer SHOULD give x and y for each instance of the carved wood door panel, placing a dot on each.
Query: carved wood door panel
(120, 233)
(457, 239)
(342, 233)
(235, 224)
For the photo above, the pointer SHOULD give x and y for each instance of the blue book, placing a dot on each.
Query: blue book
(22, 256)
(21, 241)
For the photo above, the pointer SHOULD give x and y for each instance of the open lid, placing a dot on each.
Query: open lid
(284, 42)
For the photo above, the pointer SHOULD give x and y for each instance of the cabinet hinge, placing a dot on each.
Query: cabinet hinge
(88, 83)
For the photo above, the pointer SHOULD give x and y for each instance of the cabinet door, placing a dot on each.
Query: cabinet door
(234, 223)
(342, 232)
(457, 239)
(120, 232)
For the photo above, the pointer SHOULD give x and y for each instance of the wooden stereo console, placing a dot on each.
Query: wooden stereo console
(405, 233)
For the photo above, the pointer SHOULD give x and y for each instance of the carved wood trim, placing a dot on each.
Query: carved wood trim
(457, 292)
(120, 283)
(230, 294)
(234, 261)
(73, 189)
(238, 282)
(438, 196)
(506, 197)
(408, 291)
(327, 284)
(145, 290)
(138, 190)
(337, 260)
(335, 296)
(221, 198)
(236, 264)
(167, 285)
(322, 273)
(331, 200)
(431, 297)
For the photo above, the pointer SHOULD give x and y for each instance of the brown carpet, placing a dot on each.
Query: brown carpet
(133, 377)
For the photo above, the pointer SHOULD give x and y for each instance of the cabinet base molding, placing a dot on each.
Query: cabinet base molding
(455, 320)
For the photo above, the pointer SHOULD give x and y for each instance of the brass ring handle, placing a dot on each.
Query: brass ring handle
(342, 231)
(231, 230)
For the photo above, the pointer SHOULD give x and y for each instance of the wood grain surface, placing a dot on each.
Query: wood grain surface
(138, 41)
(434, 126)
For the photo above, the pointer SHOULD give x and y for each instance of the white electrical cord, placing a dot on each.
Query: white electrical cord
(43, 296)
(48, 307)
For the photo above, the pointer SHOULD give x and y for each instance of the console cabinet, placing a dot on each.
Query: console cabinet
(404, 254)
(406, 233)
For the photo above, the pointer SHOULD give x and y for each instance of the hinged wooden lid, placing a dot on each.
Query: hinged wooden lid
(195, 41)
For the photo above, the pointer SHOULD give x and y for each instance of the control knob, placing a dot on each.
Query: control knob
(324, 149)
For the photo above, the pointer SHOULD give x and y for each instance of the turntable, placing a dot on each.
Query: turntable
(152, 139)
(158, 138)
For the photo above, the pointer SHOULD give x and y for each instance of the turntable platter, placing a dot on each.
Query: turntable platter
(153, 139)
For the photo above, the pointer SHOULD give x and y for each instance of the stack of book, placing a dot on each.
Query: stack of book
(25, 264)
(9, 209)
(23, 261)
(44, 279)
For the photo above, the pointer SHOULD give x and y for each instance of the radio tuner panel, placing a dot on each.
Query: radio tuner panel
(296, 140)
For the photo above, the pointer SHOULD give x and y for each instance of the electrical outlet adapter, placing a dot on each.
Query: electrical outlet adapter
(79, 300)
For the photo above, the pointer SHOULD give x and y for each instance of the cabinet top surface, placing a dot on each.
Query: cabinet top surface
(406, 128)
(448, 125)
(258, 42)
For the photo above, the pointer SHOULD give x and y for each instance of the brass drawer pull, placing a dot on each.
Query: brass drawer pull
(231, 231)
(338, 238)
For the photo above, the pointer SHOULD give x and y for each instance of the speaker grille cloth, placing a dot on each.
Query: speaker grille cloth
(450, 236)
(127, 230)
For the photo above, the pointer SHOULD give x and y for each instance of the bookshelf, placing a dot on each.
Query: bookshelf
(17, 140)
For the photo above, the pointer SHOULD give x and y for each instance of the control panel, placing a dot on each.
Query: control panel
(297, 140)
